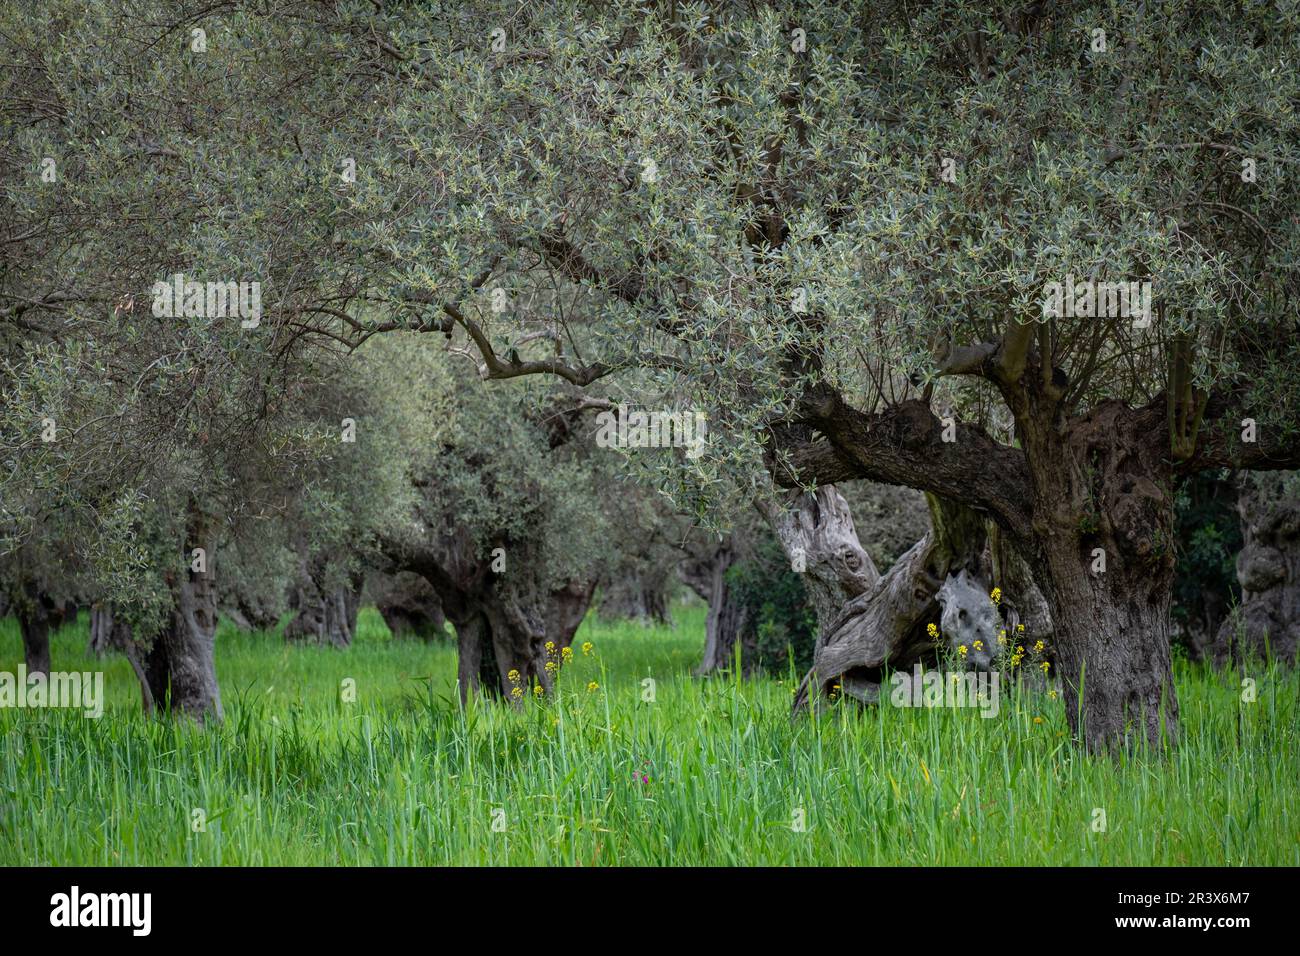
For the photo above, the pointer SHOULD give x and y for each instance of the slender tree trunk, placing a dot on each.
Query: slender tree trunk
(725, 622)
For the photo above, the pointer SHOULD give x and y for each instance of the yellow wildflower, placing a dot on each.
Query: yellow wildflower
(962, 650)
(592, 686)
(932, 630)
(996, 595)
(586, 648)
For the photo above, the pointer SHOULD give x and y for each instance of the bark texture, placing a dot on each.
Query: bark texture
(178, 670)
(410, 607)
(1268, 567)
(38, 614)
(637, 598)
(706, 574)
(566, 608)
(1074, 488)
(35, 627)
(1103, 555)
(326, 611)
(885, 625)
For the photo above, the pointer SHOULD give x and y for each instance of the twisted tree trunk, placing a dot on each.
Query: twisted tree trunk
(1268, 567)
(636, 599)
(504, 614)
(566, 608)
(179, 669)
(884, 623)
(1103, 553)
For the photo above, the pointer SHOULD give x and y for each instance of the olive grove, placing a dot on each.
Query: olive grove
(1036, 261)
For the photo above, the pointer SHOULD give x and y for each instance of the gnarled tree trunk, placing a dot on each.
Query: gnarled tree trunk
(816, 532)
(566, 608)
(637, 599)
(1268, 568)
(504, 616)
(1102, 551)
(410, 607)
(327, 613)
(179, 669)
(884, 624)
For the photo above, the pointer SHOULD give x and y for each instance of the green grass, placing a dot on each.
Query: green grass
(404, 776)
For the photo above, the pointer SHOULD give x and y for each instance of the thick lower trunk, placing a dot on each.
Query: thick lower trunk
(504, 617)
(1112, 651)
(180, 669)
(101, 630)
(247, 615)
(1102, 551)
(501, 653)
(36, 642)
(37, 614)
(636, 600)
